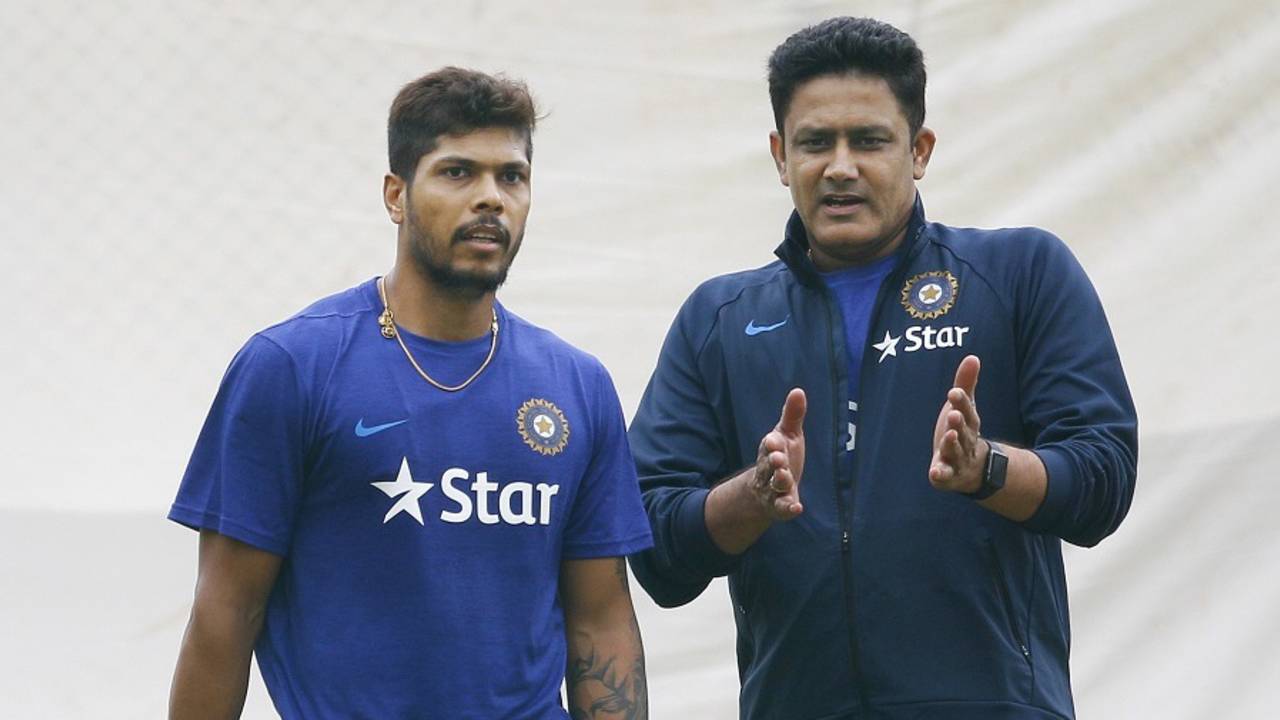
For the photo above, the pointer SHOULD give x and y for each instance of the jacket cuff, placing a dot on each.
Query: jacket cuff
(1060, 485)
(700, 551)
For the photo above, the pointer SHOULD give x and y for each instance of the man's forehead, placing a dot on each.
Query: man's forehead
(843, 101)
(492, 144)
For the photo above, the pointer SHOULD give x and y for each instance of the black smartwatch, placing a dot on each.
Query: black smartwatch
(993, 474)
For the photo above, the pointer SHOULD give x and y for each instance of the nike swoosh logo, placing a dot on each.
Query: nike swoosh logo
(362, 431)
(753, 329)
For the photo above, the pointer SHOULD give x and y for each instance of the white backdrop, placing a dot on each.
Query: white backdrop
(177, 175)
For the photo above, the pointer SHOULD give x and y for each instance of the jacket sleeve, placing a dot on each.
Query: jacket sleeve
(679, 447)
(1075, 402)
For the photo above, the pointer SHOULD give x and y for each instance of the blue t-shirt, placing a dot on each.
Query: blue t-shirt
(422, 531)
(855, 289)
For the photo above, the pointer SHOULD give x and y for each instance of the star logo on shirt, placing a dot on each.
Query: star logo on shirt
(543, 426)
(930, 294)
(410, 493)
(888, 346)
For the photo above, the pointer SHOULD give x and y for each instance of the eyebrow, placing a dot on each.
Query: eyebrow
(865, 129)
(469, 162)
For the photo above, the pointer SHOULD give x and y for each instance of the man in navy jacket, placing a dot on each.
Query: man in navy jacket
(814, 428)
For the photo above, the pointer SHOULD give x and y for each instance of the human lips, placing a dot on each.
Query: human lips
(842, 203)
(487, 234)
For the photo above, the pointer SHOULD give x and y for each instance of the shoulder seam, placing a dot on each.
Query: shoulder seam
(706, 338)
(1000, 296)
(317, 316)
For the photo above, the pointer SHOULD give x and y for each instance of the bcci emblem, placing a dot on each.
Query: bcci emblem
(542, 426)
(930, 295)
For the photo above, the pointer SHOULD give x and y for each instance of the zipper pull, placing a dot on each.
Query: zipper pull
(844, 541)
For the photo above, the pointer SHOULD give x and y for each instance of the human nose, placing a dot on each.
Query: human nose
(843, 165)
(488, 198)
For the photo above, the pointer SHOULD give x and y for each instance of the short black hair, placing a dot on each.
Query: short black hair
(453, 101)
(846, 45)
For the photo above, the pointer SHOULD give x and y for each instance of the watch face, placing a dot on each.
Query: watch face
(997, 466)
(993, 474)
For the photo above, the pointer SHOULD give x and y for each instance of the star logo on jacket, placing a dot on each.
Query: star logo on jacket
(887, 347)
(409, 492)
(930, 294)
(542, 426)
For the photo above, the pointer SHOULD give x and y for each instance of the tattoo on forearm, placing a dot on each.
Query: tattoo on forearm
(608, 687)
(612, 694)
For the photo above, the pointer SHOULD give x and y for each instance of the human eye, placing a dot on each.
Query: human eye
(454, 172)
(813, 142)
(513, 177)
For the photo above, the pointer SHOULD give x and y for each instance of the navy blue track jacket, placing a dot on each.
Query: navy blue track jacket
(888, 598)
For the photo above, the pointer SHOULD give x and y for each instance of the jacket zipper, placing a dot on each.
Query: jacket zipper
(846, 557)
(839, 405)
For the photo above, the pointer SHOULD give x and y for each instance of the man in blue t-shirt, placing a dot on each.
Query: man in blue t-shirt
(412, 502)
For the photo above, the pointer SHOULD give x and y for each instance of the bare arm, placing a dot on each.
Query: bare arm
(605, 670)
(740, 509)
(232, 587)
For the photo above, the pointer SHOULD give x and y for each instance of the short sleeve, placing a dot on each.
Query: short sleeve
(607, 519)
(245, 474)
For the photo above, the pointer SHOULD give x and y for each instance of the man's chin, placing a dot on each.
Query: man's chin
(845, 249)
(469, 283)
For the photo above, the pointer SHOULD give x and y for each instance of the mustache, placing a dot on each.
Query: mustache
(488, 222)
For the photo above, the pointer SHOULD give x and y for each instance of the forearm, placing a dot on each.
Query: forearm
(604, 672)
(212, 674)
(735, 519)
(1024, 487)
(605, 676)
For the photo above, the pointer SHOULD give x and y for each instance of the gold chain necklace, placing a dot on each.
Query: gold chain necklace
(389, 330)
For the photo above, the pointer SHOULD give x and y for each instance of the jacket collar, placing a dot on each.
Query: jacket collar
(794, 250)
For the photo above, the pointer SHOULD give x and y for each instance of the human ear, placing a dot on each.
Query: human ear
(921, 151)
(394, 195)
(777, 148)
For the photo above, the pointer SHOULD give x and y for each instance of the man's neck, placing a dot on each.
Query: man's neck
(424, 308)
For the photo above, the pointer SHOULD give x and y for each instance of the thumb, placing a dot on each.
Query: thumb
(792, 421)
(967, 375)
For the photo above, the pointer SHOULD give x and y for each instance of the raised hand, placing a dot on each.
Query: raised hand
(959, 453)
(780, 462)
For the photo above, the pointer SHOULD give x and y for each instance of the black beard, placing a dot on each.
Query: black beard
(465, 285)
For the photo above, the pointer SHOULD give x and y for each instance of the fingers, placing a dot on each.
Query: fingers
(781, 460)
(787, 506)
(781, 483)
(775, 482)
(967, 375)
(963, 418)
(955, 447)
(786, 500)
(962, 403)
(773, 442)
(793, 410)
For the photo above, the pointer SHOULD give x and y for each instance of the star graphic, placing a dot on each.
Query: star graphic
(930, 294)
(412, 492)
(543, 425)
(887, 347)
